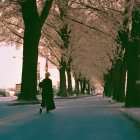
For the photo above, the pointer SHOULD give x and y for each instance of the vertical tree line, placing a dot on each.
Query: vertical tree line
(133, 60)
(130, 39)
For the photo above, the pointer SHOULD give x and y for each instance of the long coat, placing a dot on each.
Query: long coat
(47, 94)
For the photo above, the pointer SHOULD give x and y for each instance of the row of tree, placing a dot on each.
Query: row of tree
(125, 73)
(97, 41)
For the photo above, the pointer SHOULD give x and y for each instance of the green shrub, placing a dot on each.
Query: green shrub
(2, 94)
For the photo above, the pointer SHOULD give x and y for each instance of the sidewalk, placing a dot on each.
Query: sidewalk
(13, 100)
(132, 114)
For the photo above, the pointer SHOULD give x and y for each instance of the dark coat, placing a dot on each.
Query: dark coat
(47, 94)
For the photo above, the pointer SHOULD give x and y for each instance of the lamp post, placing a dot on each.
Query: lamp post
(46, 64)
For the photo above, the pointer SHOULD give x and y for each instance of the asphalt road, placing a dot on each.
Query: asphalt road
(90, 118)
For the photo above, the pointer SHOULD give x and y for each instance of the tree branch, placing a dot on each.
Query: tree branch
(115, 39)
(45, 12)
(52, 26)
(14, 32)
(51, 38)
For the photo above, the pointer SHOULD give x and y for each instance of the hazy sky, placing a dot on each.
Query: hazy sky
(11, 68)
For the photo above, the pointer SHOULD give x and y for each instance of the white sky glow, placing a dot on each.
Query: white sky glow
(11, 68)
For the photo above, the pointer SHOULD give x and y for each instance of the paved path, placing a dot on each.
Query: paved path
(90, 118)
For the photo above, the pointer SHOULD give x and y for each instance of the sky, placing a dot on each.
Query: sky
(11, 68)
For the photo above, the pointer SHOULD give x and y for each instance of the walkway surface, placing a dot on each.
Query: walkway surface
(90, 118)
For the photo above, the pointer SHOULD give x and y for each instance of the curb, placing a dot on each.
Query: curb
(23, 103)
(72, 97)
(15, 102)
(130, 116)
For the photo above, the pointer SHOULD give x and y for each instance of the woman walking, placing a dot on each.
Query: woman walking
(47, 94)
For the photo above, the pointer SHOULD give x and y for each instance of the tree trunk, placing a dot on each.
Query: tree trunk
(119, 81)
(88, 90)
(133, 83)
(77, 86)
(32, 35)
(81, 85)
(108, 88)
(63, 91)
(70, 92)
(132, 98)
(115, 83)
(29, 71)
(33, 25)
(121, 95)
(84, 85)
